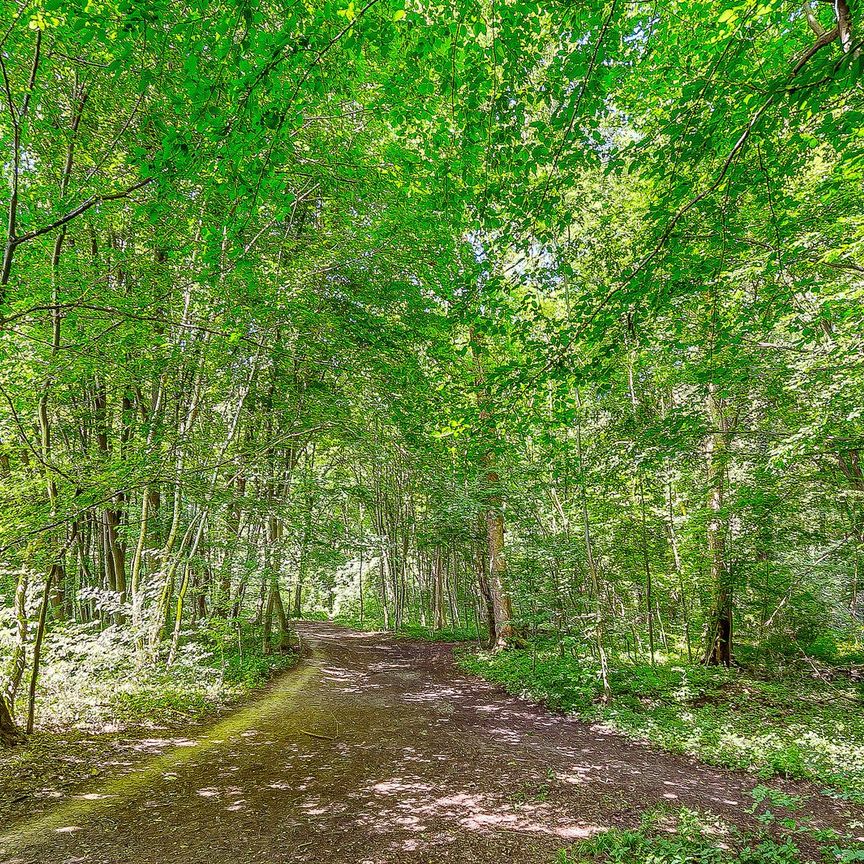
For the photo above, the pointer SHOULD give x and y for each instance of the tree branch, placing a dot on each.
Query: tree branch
(92, 201)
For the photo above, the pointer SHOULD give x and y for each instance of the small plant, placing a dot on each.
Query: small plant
(774, 797)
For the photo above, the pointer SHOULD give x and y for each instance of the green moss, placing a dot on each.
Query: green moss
(270, 707)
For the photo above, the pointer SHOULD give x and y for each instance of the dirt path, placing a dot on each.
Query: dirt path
(415, 763)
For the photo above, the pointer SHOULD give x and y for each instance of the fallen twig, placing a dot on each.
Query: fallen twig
(318, 735)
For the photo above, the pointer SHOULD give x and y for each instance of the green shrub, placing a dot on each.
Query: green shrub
(563, 683)
(92, 677)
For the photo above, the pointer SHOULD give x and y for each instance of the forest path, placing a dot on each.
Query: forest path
(425, 765)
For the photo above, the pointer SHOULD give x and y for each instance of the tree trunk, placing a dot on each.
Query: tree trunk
(19, 651)
(266, 647)
(649, 592)
(593, 568)
(438, 588)
(718, 642)
(494, 515)
(281, 616)
(502, 606)
(37, 647)
(486, 593)
(302, 562)
(9, 733)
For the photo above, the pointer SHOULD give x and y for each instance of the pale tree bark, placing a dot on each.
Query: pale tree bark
(438, 588)
(184, 588)
(483, 583)
(718, 641)
(275, 604)
(593, 566)
(502, 605)
(19, 650)
(676, 562)
(303, 556)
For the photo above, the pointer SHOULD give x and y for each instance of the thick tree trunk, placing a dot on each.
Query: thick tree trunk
(502, 606)
(275, 606)
(486, 594)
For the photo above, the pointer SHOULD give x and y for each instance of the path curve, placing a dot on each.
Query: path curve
(374, 750)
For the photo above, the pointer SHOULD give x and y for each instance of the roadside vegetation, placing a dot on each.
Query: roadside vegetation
(103, 710)
(96, 680)
(669, 836)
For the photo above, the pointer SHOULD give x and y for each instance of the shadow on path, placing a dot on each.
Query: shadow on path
(377, 750)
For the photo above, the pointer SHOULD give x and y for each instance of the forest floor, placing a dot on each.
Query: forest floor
(376, 749)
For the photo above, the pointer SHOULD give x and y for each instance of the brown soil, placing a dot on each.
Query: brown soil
(379, 750)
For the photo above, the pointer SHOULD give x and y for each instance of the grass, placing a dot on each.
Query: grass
(800, 729)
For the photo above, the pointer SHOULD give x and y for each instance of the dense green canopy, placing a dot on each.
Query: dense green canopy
(531, 319)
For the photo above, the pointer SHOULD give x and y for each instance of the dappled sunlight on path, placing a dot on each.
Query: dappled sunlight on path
(373, 750)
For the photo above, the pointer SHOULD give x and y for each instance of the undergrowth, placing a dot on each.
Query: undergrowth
(685, 836)
(802, 729)
(97, 680)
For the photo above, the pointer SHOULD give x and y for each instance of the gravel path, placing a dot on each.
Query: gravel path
(378, 750)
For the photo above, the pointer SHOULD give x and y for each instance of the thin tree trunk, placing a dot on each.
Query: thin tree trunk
(718, 642)
(649, 593)
(19, 651)
(486, 593)
(438, 588)
(282, 618)
(501, 603)
(592, 562)
(37, 651)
